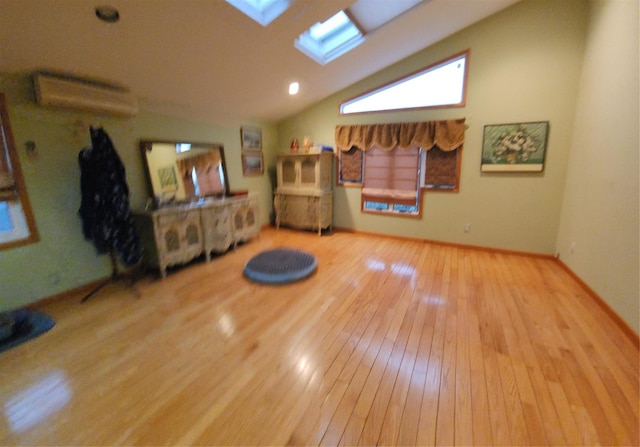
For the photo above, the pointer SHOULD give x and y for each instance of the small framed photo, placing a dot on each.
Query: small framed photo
(252, 164)
(517, 147)
(168, 180)
(251, 138)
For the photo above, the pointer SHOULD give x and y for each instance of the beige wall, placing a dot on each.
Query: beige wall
(524, 66)
(599, 233)
(62, 259)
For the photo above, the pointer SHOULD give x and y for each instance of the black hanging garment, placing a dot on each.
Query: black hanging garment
(104, 210)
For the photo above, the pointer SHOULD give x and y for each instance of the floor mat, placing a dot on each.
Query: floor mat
(19, 326)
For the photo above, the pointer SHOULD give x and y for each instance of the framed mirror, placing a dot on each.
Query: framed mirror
(180, 171)
(17, 225)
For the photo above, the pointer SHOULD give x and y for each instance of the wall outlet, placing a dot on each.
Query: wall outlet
(467, 227)
(572, 248)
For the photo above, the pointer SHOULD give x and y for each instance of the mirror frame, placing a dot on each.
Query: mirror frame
(147, 145)
(9, 147)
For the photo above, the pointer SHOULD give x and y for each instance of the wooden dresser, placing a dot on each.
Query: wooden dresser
(304, 196)
(176, 234)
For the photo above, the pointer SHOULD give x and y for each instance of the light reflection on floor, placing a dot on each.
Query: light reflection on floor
(226, 325)
(396, 268)
(35, 404)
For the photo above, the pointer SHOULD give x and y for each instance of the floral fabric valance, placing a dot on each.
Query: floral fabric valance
(448, 135)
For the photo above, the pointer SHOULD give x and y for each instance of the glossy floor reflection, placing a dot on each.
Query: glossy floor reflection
(391, 342)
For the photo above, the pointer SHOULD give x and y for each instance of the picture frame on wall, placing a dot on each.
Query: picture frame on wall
(514, 147)
(251, 138)
(252, 164)
(168, 179)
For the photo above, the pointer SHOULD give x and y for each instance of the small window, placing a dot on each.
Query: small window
(440, 170)
(440, 85)
(350, 165)
(17, 224)
(6, 222)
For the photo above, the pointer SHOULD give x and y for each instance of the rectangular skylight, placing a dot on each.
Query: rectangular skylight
(372, 14)
(330, 39)
(342, 32)
(262, 11)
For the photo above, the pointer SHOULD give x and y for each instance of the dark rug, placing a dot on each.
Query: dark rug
(280, 266)
(22, 325)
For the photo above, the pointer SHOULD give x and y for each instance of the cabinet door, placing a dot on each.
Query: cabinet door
(288, 168)
(245, 221)
(216, 224)
(180, 237)
(308, 174)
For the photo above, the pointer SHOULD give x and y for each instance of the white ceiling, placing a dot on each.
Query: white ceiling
(205, 60)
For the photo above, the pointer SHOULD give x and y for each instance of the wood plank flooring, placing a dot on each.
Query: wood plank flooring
(390, 342)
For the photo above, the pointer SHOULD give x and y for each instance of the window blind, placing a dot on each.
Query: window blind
(391, 176)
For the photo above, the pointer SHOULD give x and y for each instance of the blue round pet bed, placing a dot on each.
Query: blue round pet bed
(280, 266)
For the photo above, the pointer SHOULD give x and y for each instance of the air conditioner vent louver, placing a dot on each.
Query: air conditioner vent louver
(76, 94)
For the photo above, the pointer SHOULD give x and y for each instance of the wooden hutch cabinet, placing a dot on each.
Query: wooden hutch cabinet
(304, 196)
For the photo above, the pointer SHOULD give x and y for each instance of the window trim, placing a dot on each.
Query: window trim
(9, 146)
(466, 53)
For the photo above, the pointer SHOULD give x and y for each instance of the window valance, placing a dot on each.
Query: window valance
(202, 162)
(448, 135)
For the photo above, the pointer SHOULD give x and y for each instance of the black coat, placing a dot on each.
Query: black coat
(104, 210)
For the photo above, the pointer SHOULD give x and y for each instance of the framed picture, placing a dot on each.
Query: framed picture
(251, 138)
(516, 147)
(252, 163)
(168, 180)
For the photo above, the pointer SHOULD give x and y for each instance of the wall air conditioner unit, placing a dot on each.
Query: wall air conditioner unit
(73, 93)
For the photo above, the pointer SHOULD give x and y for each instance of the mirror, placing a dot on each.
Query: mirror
(17, 225)
(179, 171)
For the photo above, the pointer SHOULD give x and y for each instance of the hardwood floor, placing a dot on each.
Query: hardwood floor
(390, 342)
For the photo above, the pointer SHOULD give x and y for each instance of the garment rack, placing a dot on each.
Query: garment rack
(115, 277)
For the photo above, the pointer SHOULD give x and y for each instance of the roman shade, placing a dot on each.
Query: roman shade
(391, 176)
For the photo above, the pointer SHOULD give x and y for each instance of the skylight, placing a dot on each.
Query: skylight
(372, 14)
(262, 11)
(327, 40)
(342, 32)
(439, 85)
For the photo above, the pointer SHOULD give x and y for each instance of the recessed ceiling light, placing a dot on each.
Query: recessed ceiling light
(107, 14)
(294, 87)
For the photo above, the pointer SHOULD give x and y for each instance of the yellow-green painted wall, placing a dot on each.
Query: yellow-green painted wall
(599, 230)
(524, 65)
(62, 259)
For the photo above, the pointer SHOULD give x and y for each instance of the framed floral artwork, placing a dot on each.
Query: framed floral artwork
(516, 147)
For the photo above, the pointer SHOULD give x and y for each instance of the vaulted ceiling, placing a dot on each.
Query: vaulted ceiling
(205, 60)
